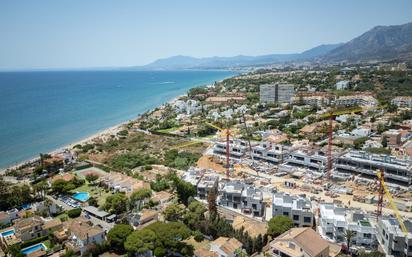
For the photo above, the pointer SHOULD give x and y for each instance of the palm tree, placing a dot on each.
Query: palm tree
(349, 234)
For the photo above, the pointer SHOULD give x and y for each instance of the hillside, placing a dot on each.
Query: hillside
(379, 43)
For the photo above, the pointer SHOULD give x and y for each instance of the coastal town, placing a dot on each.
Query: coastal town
(278, 160)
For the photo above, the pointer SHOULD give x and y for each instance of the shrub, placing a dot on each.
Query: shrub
(74, 213)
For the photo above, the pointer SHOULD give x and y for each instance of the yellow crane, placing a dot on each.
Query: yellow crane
(392, 203)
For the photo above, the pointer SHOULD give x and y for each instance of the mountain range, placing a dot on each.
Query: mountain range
(381, 43)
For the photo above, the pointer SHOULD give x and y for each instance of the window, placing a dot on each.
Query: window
(285, 213)
(307, 219)
(295, 217)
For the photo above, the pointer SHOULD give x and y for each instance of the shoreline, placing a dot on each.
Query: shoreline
(104, 132)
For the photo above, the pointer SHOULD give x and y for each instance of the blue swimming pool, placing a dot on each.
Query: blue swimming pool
(81, 196)
(33, 248)
(7, 233)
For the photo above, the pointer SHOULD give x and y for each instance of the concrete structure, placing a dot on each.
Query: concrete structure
(252, 201)
(299, 242)
(334, 221)
(360, 162)
(206, 184)
(298, 209)
(402, 101)
(270, 153)
(276, 93)
(392, 239)
(237, 148)
(308, 158)
(239, 196)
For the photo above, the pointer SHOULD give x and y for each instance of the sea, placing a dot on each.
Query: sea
(46, 110)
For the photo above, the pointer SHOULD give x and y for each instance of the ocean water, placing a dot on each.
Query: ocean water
(43, 111)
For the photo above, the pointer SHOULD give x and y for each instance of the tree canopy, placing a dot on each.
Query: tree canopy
(116, 203)
(117, 236)
(279, 225)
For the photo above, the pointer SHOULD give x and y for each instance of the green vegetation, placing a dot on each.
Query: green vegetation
(173, 212)
(184, 190)
(279, 225)
(129, 161)
(162, 238)
(74, 213)
(61, 186)
(380, 150)
(117, 236)
(13, 196)
(180, 160)
(116, 203)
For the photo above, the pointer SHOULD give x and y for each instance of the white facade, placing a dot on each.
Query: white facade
(310, 159)
(298, 209)
(276, 93)
(391, 238)
(334, 221)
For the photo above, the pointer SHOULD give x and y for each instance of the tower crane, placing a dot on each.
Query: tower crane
(384, 189)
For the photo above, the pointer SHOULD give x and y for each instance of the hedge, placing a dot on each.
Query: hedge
(33, 241)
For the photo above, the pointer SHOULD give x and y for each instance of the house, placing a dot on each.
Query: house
(29, 228)
(335, 220)
(52, 225)
(46, 206)
(147, 215)
(298, 209)
(162, 197)
(252, 201)
(6, 217)
(226, 247)
(252, 227)
(206, 184)
(122, 183)
(232, 195)
(393, 137)
(82, 235)
(298, 242)
(392, 239)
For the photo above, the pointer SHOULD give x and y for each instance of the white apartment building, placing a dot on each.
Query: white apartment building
(239, 196)
(237, 148)
(392, 239)
(308, 158)
(298, 209)
(206, 184)
(359, 162)
(350, 100)
(402, 101)
(270, 153)
(276, 93)
(335, 220)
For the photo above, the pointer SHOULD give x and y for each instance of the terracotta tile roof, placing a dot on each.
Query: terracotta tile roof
(82, 228)
(52, 224)
(253, 228)
(162, 196)
(202, 252)
(227, 245)
(310, 241)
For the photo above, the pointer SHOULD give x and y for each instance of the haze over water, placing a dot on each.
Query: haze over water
(43, 111)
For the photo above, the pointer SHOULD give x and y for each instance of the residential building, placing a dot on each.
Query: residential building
(358, 99)
(252, 201)
(82, 235)
(207, 183)
(299, 242)
(360, 162)
(193, 175)
(237, 148)
(340, 85)
(335, 220)
(226, 247)
(122, 183)
(392, 239)
(312, 159)
(393, 137)
(270, 152)
(6, 217)
(297, 208)
(276, 93)
(402, 101)
(231, 195)
(313, 98)
(29, 228)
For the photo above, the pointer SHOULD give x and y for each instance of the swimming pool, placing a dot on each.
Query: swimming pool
(81, 196)
(33, 248)
(7, 233)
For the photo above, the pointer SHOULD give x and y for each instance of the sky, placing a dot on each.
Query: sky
(111, 33)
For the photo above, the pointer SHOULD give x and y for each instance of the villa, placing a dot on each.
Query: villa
(123, 183)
